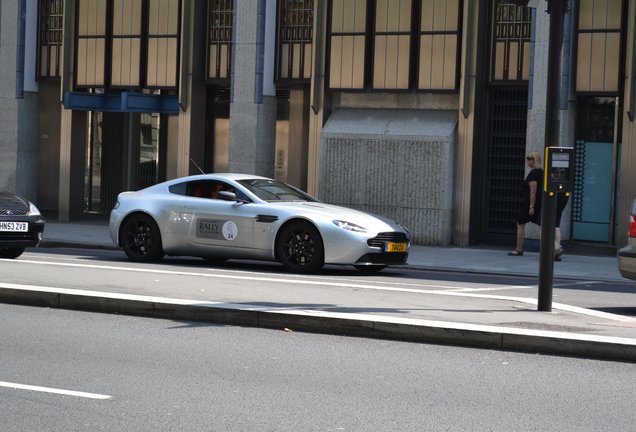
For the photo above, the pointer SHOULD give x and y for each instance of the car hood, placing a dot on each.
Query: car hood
(10, 201)
(334, 212)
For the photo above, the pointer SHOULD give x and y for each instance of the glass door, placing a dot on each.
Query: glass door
(123, 154)
(597, 153)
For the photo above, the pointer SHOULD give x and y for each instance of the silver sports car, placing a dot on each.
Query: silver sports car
(239, 216)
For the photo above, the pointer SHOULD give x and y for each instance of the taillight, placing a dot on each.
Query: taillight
(631, 229)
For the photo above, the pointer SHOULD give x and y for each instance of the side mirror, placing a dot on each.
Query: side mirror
(229, 196)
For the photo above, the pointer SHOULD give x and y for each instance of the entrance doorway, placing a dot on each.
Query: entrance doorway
(125, 151)
(597, 158)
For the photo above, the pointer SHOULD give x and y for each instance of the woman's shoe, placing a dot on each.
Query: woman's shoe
(557, 254)
(516, 252)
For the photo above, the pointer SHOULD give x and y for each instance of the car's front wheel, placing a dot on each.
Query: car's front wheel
(300, 248)
(141, 239)
(11, 252)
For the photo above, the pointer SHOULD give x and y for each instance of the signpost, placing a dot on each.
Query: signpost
(556, 9)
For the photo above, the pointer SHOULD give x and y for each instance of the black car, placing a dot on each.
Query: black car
(21, 225)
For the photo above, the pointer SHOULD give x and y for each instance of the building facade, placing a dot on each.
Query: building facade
(421, 110)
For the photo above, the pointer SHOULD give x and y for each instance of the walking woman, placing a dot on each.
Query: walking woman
(530, 206)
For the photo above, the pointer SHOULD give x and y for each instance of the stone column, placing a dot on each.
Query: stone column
(252, 114)
(18, 104)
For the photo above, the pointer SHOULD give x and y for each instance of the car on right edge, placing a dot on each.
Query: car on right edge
(627, 255)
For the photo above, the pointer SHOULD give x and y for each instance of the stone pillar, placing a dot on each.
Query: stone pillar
(72, 161)
(192, 96)
(535, 134)
(18, 105)
(252, 114)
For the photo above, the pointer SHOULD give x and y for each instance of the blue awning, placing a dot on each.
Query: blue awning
(122, 102)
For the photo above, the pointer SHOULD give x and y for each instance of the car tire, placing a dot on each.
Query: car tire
(141, 239)
(300, 248)
(369, 269)
(11, 253)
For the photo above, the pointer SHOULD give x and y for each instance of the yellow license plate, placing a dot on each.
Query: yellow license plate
(395, 247)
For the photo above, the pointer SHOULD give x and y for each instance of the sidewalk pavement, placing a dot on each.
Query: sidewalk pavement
(485, 320)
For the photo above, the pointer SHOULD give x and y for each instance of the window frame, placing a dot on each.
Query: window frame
(305, 44)
(415, 33)
(220, 43)
(109, 37)
(622, 34)
(44, 43)
(492, 62)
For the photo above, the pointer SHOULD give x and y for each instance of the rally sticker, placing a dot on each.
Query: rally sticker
(230, 230)
(217, 230)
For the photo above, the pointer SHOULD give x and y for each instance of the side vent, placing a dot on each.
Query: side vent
(266, 218)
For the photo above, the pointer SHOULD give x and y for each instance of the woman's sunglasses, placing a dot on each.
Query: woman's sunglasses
(530, 158)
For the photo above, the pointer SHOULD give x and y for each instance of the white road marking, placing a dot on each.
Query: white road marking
(54, 391)
(267, 277)
(444, 291)
(351, 316)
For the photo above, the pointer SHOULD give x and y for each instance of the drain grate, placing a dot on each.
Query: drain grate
(621, 324)
(548, 327)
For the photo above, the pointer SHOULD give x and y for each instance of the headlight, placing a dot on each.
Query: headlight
(349, 226)
(116, 204)
(403, 227)
(33, 210)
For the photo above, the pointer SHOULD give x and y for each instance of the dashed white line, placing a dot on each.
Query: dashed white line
(54, 391)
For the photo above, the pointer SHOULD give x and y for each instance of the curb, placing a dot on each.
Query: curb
(79, 245)
(356, 325)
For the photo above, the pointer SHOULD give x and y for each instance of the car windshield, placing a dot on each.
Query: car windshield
(272, 190)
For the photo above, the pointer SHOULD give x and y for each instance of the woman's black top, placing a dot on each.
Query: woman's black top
(524, 207)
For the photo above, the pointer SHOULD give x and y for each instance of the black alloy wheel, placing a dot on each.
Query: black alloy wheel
(141, 239)
(11, 253)
(300, 248)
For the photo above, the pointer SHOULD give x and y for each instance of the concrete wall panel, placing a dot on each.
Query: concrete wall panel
(397, 164)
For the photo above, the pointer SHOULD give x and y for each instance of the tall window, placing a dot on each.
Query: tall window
(510, 55)
(163, 43)
(219, 39)
(394, 44)
(599, 46)
(439, 45)
(90, 57)
(296, 18)
(51, 16)
(347, 44)
(127, 43)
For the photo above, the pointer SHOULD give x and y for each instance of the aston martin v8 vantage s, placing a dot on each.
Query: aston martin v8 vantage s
(240, 216)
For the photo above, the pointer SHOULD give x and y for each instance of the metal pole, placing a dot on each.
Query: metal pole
(548, 207)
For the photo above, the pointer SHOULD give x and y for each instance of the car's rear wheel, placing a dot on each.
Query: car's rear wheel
(141, 239)
(300, 248)
(370, 268)
(11, 252)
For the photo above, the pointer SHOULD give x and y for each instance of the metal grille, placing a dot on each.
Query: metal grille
(505, 153)
(17, 236)
(6, 212)
(380, 239)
